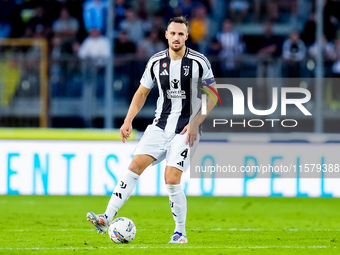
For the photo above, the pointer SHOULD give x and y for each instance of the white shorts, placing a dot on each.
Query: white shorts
(161, 145)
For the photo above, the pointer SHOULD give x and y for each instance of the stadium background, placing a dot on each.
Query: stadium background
(64, 94)
(60, 83)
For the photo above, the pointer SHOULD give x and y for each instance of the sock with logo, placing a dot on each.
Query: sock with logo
(178, 205)
(121, 193)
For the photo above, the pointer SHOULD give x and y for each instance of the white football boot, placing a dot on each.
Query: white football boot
(178, 238)
(100, 221)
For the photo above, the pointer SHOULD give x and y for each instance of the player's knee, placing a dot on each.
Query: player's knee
(135, 167)
(172, 179)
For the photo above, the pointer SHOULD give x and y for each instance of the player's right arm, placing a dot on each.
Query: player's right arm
(136, 105)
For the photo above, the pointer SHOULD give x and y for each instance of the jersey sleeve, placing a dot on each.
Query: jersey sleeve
(147, 78)
(208, 76)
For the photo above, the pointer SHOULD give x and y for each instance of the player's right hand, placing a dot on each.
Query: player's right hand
(125, 131)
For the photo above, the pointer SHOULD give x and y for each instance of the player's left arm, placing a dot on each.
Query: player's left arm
(193, 126)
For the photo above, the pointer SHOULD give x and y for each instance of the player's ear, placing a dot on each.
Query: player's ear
(186, 38)
(166, 34)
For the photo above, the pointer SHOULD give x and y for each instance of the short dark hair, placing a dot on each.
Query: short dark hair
(181, 20)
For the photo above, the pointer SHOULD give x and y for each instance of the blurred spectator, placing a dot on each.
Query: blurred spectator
(158, 23)
(269, 49)
(143, 12)
(133, 26)
(303, 14)
(266, 9)
(213, 52)
(123, 45)
(270, 45)
(95, 50)
(139, 6)
(95, 47)
(199, 27)
(184, 8)
(331, 18)
(232, 46)
(328, 54)
(308, 33)
(95, 14)
(119, 8)
(60, 47)
(56, 47)
(7, 12)
(75, 8)
(336, 65)
(214, 48)
(65, 76)
(294, 49)
(150, 45)
(65, 27)
(123, 65)
(39, 24)
(144, 8)
(238, 10)
(51, 9)
(336, 73)
(293, 52)
(327, 50)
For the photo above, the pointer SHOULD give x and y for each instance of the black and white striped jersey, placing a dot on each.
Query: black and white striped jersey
(173, 78)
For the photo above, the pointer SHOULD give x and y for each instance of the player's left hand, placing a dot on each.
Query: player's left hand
(191, 133)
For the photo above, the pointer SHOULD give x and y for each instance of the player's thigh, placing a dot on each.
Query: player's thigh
(179, 153)
(140, 162)
(152, 143)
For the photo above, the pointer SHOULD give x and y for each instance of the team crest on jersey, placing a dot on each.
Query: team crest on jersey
(164, 65)
(186, 70)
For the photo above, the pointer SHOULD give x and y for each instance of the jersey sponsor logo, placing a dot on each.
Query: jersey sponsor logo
(174, 83)
(165, 72)
(171, 94)
(164, 65)
(186, 70)
(181, 163)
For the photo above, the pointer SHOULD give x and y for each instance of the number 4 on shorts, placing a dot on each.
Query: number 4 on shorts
(184, 153)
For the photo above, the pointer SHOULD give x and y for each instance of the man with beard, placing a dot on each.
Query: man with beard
(173, 135)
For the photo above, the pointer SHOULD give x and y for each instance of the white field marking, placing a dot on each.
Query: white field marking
(195, 229)
(166, 247)
(264, 229)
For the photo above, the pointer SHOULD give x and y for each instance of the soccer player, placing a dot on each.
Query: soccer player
(170, 136)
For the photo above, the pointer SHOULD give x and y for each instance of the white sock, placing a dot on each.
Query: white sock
(178, 204)
(121, 193)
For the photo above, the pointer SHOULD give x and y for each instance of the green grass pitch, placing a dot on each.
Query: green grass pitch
(215, 225)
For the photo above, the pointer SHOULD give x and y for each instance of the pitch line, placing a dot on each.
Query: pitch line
(124, 246)
(194, 229)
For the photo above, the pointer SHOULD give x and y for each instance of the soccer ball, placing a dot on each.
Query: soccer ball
(122, 230)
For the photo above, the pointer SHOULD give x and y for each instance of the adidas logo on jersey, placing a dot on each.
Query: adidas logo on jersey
(181, 163)
(165, 72)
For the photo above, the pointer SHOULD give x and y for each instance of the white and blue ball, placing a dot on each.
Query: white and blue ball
(122, 230)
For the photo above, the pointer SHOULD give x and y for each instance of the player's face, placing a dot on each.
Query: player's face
(177, 35)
